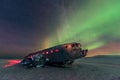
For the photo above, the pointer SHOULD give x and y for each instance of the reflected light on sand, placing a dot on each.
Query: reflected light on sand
(11, 63)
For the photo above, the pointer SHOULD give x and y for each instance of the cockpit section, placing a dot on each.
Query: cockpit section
(74, 49)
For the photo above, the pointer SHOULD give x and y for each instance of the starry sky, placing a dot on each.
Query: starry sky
(30, 25)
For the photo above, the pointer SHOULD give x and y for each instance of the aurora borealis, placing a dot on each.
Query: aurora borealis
(28, 26)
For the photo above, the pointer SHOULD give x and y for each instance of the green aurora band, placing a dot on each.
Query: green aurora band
(94, 25)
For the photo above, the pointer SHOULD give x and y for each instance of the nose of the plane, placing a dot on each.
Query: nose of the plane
(84, 52)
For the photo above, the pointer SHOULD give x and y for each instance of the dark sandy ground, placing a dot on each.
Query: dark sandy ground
(94, 68)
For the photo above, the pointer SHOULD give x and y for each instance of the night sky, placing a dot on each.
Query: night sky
(30, 25)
